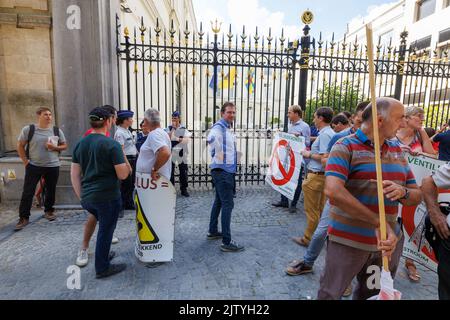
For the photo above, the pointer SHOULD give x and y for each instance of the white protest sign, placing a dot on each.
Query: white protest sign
(155, 218)
(285, 163)
(416, 247)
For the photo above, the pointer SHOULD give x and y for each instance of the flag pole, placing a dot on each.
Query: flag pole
(376, 138)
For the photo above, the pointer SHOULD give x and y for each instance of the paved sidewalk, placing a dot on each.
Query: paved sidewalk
(33, 262)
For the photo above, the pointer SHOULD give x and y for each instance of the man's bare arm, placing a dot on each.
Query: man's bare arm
(75, 177)
(21, 151)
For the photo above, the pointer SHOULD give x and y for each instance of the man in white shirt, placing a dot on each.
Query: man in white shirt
(155, 155)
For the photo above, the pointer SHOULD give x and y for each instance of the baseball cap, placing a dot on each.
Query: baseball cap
(99, 114)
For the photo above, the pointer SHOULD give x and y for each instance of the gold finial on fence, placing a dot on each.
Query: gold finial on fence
(216, 26)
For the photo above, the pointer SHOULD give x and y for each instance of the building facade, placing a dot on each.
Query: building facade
(427, 23)
(26, 74)
(62, 54)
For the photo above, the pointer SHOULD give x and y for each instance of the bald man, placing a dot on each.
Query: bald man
(354, 244)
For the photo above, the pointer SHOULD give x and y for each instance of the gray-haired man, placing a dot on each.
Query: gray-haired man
(155, 155)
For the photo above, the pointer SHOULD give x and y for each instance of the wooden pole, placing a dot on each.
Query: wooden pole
(376, 138)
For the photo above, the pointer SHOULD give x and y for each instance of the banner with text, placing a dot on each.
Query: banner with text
(155, 218)
(416, 247)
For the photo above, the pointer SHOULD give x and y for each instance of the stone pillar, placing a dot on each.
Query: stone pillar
(85, 65)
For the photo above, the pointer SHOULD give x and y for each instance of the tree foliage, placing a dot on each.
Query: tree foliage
(338, 96)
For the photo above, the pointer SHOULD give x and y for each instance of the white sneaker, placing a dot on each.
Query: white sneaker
(115, 240)
(82, 259)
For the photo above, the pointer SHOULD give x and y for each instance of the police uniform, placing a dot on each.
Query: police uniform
(179, 153)
(126, 139)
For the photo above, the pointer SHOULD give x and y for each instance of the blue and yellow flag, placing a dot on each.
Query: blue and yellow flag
(250, 81)
(229, 80)
(214, 78)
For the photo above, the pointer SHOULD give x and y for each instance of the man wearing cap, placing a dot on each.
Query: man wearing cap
(179, 137)
(124, 137)
(91, 222)
(98, 163)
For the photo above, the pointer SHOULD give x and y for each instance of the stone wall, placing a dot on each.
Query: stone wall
(26, 80)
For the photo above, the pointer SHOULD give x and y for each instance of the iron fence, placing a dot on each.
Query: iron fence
(195, 73)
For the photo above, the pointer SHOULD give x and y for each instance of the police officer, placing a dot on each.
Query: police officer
(126, 140)
(179, 137)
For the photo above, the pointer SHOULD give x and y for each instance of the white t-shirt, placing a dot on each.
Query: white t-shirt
(125, 138)
(156, 139)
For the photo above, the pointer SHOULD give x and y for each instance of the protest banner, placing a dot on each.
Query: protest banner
(416, 247)
(155, 218)
(285, 163)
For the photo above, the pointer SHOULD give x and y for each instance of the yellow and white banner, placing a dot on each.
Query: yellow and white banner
(416, 247)
(155, 218)
(285, 163)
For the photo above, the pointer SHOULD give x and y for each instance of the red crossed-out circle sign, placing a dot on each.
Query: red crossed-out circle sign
(286, 175)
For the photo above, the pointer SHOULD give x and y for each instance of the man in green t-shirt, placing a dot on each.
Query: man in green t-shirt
(98, 165)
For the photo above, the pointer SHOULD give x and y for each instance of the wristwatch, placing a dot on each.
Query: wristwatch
(406, 196)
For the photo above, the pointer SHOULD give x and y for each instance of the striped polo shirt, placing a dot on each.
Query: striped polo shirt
(352, 159)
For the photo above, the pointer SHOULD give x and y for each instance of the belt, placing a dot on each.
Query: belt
(318, 172)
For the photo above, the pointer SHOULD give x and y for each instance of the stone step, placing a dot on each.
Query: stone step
(66, 196)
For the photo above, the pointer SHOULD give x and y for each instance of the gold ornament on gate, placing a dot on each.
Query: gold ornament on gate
(215, 26)
(307, 17)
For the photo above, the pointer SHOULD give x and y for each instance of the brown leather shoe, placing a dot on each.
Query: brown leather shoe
(21, 224)
(298, 269)
(50, 216)
(348, 292)
(301, 241)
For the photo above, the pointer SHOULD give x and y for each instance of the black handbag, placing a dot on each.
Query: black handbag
(431, 234)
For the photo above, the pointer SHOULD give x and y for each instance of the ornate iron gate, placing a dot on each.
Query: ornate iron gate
(195, 74)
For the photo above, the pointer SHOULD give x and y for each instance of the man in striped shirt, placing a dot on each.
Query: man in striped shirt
(354, 243)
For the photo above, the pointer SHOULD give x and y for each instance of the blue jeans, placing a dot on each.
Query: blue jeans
(224, 184)
(319, 237)
(298, 190)
(106, 213)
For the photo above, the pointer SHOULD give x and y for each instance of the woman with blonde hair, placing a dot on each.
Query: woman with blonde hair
(414, 139)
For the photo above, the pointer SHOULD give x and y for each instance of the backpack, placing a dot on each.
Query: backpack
(31, 134)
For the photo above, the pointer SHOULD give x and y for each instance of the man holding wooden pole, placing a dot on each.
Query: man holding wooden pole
(355, 246)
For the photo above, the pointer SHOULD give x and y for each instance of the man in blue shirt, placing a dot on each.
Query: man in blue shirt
(297, 267)
(313, 186)
(444, 144)
(141, 136)
(298, 128)
(222, 144)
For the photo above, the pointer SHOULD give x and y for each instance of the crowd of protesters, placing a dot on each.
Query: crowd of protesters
(336, 178)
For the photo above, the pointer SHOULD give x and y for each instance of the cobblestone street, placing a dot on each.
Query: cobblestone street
(33, 262)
